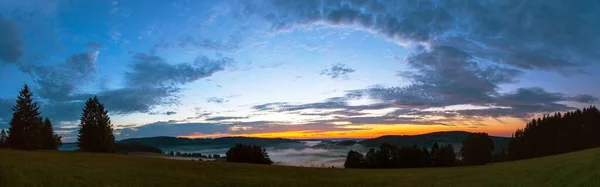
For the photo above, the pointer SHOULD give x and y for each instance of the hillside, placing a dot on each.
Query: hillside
(37, 168)
(426, 140)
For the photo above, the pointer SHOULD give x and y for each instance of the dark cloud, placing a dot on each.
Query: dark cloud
(584, 99)
(170, 129)
(549, 35)
(59, 82)
(337, 71)
(150, 82)
(153, 71)
(11, 44)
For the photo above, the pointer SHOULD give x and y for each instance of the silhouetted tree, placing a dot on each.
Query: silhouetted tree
(354, 160)
(26, 124)
(447, 157)
(435, 155)
(477, 149)
(3, 138)
(370, 159)
(50, 139)
(248, 154)
(95, 134)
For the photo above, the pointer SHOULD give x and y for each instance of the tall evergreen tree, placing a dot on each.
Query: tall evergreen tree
(26, 124)
(95, 133)
(50, 139)
(3, 138)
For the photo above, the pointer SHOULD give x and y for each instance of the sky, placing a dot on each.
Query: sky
(300, 69)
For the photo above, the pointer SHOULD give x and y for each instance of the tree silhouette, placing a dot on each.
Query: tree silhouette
(435, 155)
(248, 154)
(26, 124)
(50, 139)
(390, 156)
(95, 134)
(3, 138)
(477, 149)
(556, 134)
(447, 157)
(354, 160)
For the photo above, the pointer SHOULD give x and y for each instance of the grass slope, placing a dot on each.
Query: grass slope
(39, 168)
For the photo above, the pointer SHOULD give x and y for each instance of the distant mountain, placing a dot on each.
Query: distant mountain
(426, 140)
(164, 141)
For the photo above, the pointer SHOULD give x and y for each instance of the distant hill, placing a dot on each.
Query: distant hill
(164, 141)
(426, 140)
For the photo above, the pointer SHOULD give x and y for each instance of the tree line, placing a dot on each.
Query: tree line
(556, 134)
(193, 155)
(28, 130)
(476, 149)
(391, 156)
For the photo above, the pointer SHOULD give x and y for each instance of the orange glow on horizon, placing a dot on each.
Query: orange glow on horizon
(495, 128)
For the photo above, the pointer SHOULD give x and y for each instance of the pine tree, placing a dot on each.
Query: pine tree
(3, 138)
(26, 124)
(95, 133)
(51, 139)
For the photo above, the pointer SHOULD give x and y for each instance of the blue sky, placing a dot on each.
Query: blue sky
(300, 69)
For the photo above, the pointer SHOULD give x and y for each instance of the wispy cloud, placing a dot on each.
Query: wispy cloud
(337, 71)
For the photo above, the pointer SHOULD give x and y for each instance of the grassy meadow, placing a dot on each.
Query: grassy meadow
(53, 168)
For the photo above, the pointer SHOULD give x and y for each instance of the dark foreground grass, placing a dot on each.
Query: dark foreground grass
(49, 168)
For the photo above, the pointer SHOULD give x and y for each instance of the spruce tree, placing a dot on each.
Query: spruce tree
(3, 138)
(51, 139)
(26, 124)
(95, 133)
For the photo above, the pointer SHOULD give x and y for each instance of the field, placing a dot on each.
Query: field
(51, 168)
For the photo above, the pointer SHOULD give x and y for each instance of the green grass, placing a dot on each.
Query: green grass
(50, 168)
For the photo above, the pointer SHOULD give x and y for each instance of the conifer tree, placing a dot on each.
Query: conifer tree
(95, 133)
(3, 138)
(50, 139)
(26, 124)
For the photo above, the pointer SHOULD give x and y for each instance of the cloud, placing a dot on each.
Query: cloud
(337, 71)
(217, 100)
(169, 129)
(5, 112)
(547, 35)
(583, 98)
(225, 118)
(150, 82)
(154, 71)
(232, 44)
(59, 82)
(460, 52)
(167, 113)
(11, 44)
